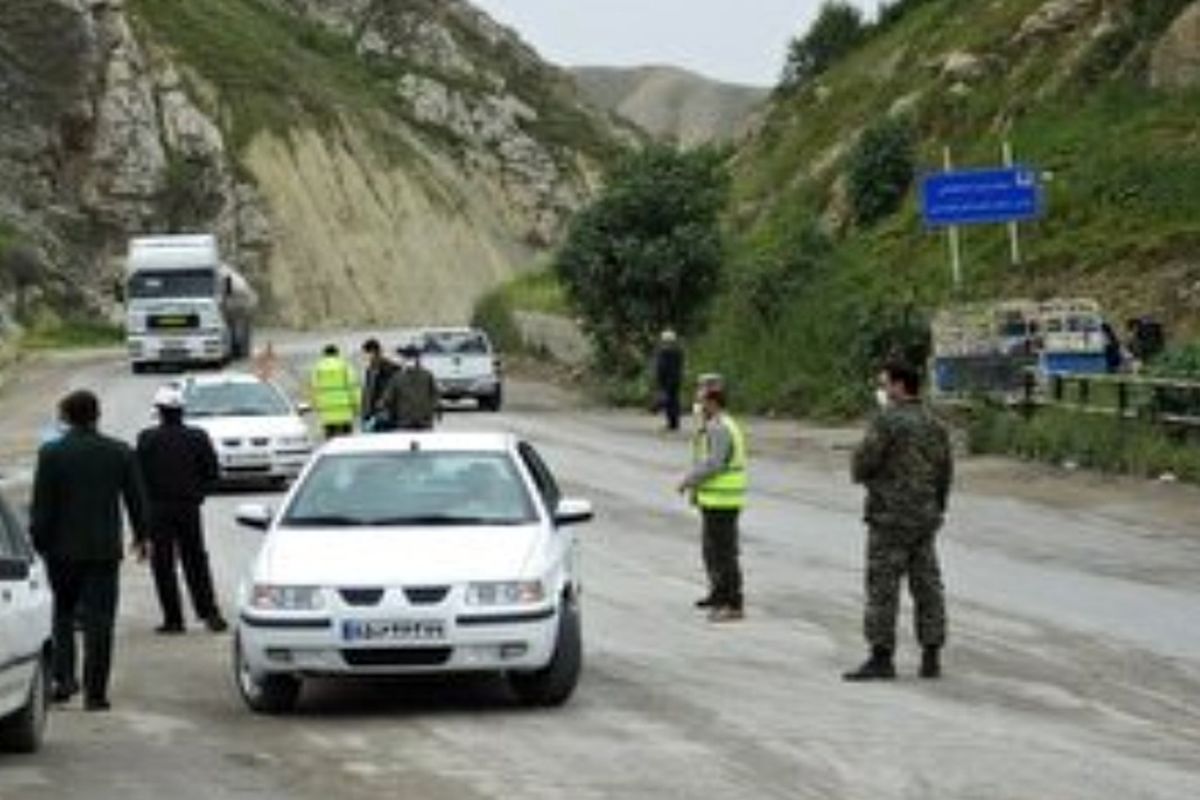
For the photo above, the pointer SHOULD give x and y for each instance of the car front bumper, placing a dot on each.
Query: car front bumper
(473, 641)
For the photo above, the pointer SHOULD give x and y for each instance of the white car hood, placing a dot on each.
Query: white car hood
(219, 428)
(389, 557)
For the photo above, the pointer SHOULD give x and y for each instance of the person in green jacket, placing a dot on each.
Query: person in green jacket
(334, 387)
(717, 486)
(78, 488)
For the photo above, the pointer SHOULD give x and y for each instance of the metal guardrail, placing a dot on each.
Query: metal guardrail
(1158, 400)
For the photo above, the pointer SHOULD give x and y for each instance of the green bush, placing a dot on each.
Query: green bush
(1098, 442)
(881, 168)
(494, 314)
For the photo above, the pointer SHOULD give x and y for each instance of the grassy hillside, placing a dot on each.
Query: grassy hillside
(811, 298)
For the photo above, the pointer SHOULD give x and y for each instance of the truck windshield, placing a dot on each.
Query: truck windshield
(171, 284)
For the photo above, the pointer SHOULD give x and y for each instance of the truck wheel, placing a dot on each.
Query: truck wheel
(554, 684)
(265, 694)
(493, 401)
(23, 731)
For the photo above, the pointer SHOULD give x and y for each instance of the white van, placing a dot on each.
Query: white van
(25, 626)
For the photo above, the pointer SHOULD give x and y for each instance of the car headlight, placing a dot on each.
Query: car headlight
(286, 598)
(505, 593)
(292, 441)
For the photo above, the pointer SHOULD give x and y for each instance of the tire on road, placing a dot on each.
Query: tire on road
(23, 731)
(554, 684)
(493, 401)
(266, 694)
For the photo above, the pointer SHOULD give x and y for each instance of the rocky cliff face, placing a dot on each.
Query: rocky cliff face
(461, 157)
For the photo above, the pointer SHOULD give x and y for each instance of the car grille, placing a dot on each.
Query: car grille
(397, 656)
(426, 595)
(361, 597)
(232, 442)
(263, 442)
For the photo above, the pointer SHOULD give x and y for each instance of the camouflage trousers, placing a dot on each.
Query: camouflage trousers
(892, 554)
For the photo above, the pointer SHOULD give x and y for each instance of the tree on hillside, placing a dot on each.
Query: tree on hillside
(647, 253)
(881, 168)
(838, 29)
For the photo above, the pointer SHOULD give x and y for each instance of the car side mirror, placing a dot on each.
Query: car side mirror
(572, 511)
(303, 408)
(254, 515)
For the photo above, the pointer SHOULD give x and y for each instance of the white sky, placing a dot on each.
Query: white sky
(742, 41)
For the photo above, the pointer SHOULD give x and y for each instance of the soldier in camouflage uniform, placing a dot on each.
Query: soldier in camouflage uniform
(906, 464)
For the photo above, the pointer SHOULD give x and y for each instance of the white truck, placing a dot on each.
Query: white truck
(184, 306)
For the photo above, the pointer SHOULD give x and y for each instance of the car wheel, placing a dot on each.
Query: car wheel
(264, 694)
(554, 684)
(493, 401)
(22, 732)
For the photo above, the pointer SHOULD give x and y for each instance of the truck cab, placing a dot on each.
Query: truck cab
(184, 306)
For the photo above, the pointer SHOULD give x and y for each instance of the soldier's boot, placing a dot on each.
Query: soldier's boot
(931, 663)
(879, 667)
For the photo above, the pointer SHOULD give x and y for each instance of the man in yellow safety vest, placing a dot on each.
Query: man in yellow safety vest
(334, 388)
(717, 484)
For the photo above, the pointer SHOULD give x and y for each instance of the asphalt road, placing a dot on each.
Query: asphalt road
(1073, 672)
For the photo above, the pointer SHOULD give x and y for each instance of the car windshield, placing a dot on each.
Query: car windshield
(185, 283)
(234, 399)
(411, 488)
(459, 343)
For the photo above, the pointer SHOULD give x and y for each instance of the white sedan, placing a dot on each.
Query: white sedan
(25, 621)
(257, 432)
(414, 553)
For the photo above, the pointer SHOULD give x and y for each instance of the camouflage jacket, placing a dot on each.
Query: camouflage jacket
(907, 466)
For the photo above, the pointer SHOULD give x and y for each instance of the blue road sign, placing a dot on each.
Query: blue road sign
(981, 196)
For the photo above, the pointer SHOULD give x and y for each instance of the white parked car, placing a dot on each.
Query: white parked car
(463, 363)
(414, 553)
(256, 430)
(25, 627)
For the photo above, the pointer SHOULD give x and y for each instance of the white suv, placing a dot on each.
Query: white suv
(25, 626)
(414, 553)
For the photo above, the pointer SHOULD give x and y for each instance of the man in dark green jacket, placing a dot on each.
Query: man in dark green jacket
(80, 482)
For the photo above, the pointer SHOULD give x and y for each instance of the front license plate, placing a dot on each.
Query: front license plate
(247, 461)
(408, 630)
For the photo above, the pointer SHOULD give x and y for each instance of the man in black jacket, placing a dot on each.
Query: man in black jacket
(378, 375)
(410, 401)
(179, 464)
(668, 377)
(78, 488)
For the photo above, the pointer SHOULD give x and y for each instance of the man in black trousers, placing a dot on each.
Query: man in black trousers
(668, 377)
(376, 378)
(80, 483)
(179, 464)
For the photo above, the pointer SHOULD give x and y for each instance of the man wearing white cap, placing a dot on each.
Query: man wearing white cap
(179, 464)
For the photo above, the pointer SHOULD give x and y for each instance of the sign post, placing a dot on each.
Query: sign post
(954, 198)
(1014, 227)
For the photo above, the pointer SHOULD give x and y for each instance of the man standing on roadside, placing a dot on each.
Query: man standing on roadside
(179, 465)
(334, 388)
(410, 402)
(668, 377)
(81, 480)
(906, 464)
(378, 375)
(717, 485)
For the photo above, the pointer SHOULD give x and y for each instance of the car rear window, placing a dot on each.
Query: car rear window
(417, 487)
(459, 343)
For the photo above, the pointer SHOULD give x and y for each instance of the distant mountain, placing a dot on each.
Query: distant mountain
(672, 103)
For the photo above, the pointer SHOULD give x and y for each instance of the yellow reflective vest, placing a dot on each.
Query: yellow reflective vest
(726, 489)
(335, 391)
